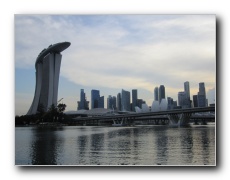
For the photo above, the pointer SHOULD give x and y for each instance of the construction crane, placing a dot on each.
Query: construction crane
(59, 100)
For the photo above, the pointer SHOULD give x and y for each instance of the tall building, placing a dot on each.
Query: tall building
(161, 93)
(201, 96)
(101, 102)
(111, 102)
(202, 89)
(125, 100)
(96, 100)
(195, 103)
(170, 103)
(140, 102)
(95, 95)
(156, 94)
(134, 99)
(83, 103)
(119, 101)
(47, 67)
(182, 99)
(187, 94)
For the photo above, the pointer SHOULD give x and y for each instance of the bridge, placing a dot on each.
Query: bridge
(178, 117)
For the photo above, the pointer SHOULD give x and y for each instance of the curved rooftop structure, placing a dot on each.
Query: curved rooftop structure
(55, 48)
(47, 67)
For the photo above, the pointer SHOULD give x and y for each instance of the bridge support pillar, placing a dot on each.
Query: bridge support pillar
(179, 119)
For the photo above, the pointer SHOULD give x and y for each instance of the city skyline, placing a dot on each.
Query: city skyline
(184, 99)
(111, 52)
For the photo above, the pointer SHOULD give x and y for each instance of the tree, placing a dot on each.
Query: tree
(40, 111)
(53, 112)
(61, 108)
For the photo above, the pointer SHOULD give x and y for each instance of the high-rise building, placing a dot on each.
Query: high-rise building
(95, 95)
(47, 66)
(83, 103)
(111, 102)
(182, 99)
(140, 102)
(174, 104)
(125, 100)
(202, 88)
(161, 93)
(119, 101)
(97, 101)
(101, 102)
(201, 96)
(195, 103)
(187, 94)
(134, 99)
(156, 94)
(170, 103)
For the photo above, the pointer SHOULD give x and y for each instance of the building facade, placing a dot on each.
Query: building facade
(161, 93)
(182, 99)
(195, 103)
(125, 100)
(187, 93)
(47, 67)
(111, 102)
(119, 101)
(83, 103)
(101, 102)
(201, 96)
(134, 99)
(170, 103)
(156, 94)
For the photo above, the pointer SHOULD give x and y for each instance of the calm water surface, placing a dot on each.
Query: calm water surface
(94, 145)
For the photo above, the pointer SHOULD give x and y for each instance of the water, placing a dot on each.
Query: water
(93, 145)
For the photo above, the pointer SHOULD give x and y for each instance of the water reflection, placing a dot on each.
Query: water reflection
(82, 148)
(141, 145)
(162, 146)
(96, 148)
(186, 145)
(45, 145)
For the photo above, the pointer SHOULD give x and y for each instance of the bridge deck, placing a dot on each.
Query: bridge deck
(147, 114)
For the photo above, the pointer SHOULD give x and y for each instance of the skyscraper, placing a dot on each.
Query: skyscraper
(111, 102)
(134, 99)
(182, 99)
(119, 101)
(201, 96)
(101, 102)
(170, 103)
(95, 95)
(83, 103)
(156, 94)
(47, 66)
(195, 103)
(125, 100)
(202, 89)
(187, 94)
(96, 100)
(161, 93)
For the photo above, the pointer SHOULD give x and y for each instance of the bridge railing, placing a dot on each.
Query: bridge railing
(157, 113)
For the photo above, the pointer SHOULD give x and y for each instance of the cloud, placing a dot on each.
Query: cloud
(123, 51)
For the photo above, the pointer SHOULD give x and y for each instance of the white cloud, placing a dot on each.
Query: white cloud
(123, 51)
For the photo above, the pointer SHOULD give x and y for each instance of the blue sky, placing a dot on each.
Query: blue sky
(114, 52)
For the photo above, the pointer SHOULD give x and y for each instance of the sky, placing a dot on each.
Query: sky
(114, 52)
